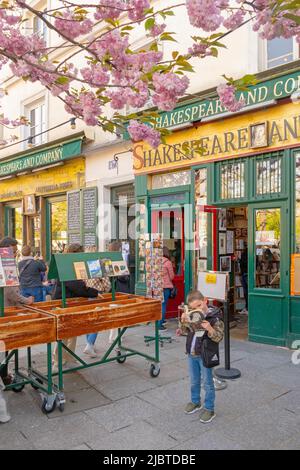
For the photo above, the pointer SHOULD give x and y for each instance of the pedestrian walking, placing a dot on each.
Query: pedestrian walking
(31, 271)
(168, 277)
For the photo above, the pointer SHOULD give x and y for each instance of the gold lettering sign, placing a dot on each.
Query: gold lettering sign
(226, 138)
(52, 181)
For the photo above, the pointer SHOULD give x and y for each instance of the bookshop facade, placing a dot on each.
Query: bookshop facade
(234, 206)
(33, 194)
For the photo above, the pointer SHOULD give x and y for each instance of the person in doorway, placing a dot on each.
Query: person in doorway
(168, 276)
(244, 273)
(12, 298)
(30, 275)
(205, 330)
(76, 288)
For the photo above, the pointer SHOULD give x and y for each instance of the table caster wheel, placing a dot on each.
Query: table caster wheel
(48, 405)
(154, 370)
(120, 360)
(17, 387)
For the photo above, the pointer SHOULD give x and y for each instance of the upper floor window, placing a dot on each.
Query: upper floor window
(40, 28)
(280, 51)
(36, 114)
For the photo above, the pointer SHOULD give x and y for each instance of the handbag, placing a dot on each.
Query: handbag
(173, 293)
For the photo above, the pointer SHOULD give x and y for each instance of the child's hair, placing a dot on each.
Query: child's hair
(26, 250)
(194, 295)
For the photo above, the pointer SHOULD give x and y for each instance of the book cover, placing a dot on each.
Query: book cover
(120, 268)
(94, 268)
(80, 270)
(2, 275)
(9, 267)
(107, 268)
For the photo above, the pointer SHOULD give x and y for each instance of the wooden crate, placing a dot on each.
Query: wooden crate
(21, 328)
(85, 319)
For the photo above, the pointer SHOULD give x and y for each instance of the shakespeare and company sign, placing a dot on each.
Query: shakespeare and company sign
(263, 92)
(45, 157)
(221, 139)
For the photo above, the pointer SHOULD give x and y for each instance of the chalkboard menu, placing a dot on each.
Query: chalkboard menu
(82, 217)
(89, 208)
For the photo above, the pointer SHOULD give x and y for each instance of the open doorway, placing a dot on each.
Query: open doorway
(233, 258)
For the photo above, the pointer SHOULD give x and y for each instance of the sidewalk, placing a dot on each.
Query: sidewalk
(121, 407)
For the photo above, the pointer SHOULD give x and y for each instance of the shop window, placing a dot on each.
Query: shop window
(14, 223)
(267, 248)
(40, 28)
(58, 214)
(171, 180)
(201, 186)
(279, 51)
(36, 114)
(233, 180)
(268, 175)
(297, 209)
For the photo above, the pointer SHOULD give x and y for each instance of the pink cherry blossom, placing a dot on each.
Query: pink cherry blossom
(139, 131)
(227, 94)
(168, 88)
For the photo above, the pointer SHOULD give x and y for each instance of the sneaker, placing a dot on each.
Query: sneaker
(192, 408)
(89, 350)
(4, 418)
(162, 328)
(207, 416)
(219, 384)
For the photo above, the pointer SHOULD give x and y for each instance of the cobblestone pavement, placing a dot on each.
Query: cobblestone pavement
(118, 406)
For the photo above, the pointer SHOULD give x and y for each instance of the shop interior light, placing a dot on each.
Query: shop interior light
(253, 107)
(30, 142)
(73, 123)
(183, 125)
(47, 167)
(6, 177)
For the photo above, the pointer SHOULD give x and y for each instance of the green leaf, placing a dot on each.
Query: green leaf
(149, 23)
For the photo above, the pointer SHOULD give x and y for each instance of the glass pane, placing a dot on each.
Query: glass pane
(171, 180)
(15, 224)
(58, 226)
(268, 176)
(170, 225)
(201, 186)
(279, 46)
(267, 248)
(233, 180)
(297, 210)
(35, 235)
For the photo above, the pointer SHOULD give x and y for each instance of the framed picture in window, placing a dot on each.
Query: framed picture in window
(222, 243)
(259, 135)
(29, 205)
(225, 263)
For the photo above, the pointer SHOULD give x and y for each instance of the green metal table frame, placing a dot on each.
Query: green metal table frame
(51, 385)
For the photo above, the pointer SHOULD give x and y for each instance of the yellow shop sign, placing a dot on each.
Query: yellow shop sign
(227, 138)
(60, 179)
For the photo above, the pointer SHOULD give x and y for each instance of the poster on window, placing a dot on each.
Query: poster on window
(8, 268)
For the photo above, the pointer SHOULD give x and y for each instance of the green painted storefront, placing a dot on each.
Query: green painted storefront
(274, 315)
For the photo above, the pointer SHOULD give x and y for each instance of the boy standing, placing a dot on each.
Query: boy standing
(205, 330)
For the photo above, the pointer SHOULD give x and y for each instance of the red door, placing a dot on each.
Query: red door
(170, 223)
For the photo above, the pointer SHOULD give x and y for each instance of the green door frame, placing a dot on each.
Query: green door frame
(187, 205)
(282, 294)
(49, 201)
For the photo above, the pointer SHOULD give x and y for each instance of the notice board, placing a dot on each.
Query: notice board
(213, 284)
(83, 217)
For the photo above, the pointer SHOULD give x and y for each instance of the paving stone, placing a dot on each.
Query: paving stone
(13, 440)
(260, 428)
(81, 447)
(288, 375)
(293, 443)
(125, 386)
(168, 397)
(169, 373)
(122, 413)
(139, 436)
(65, 432)
(105, 372)
(212, 440)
